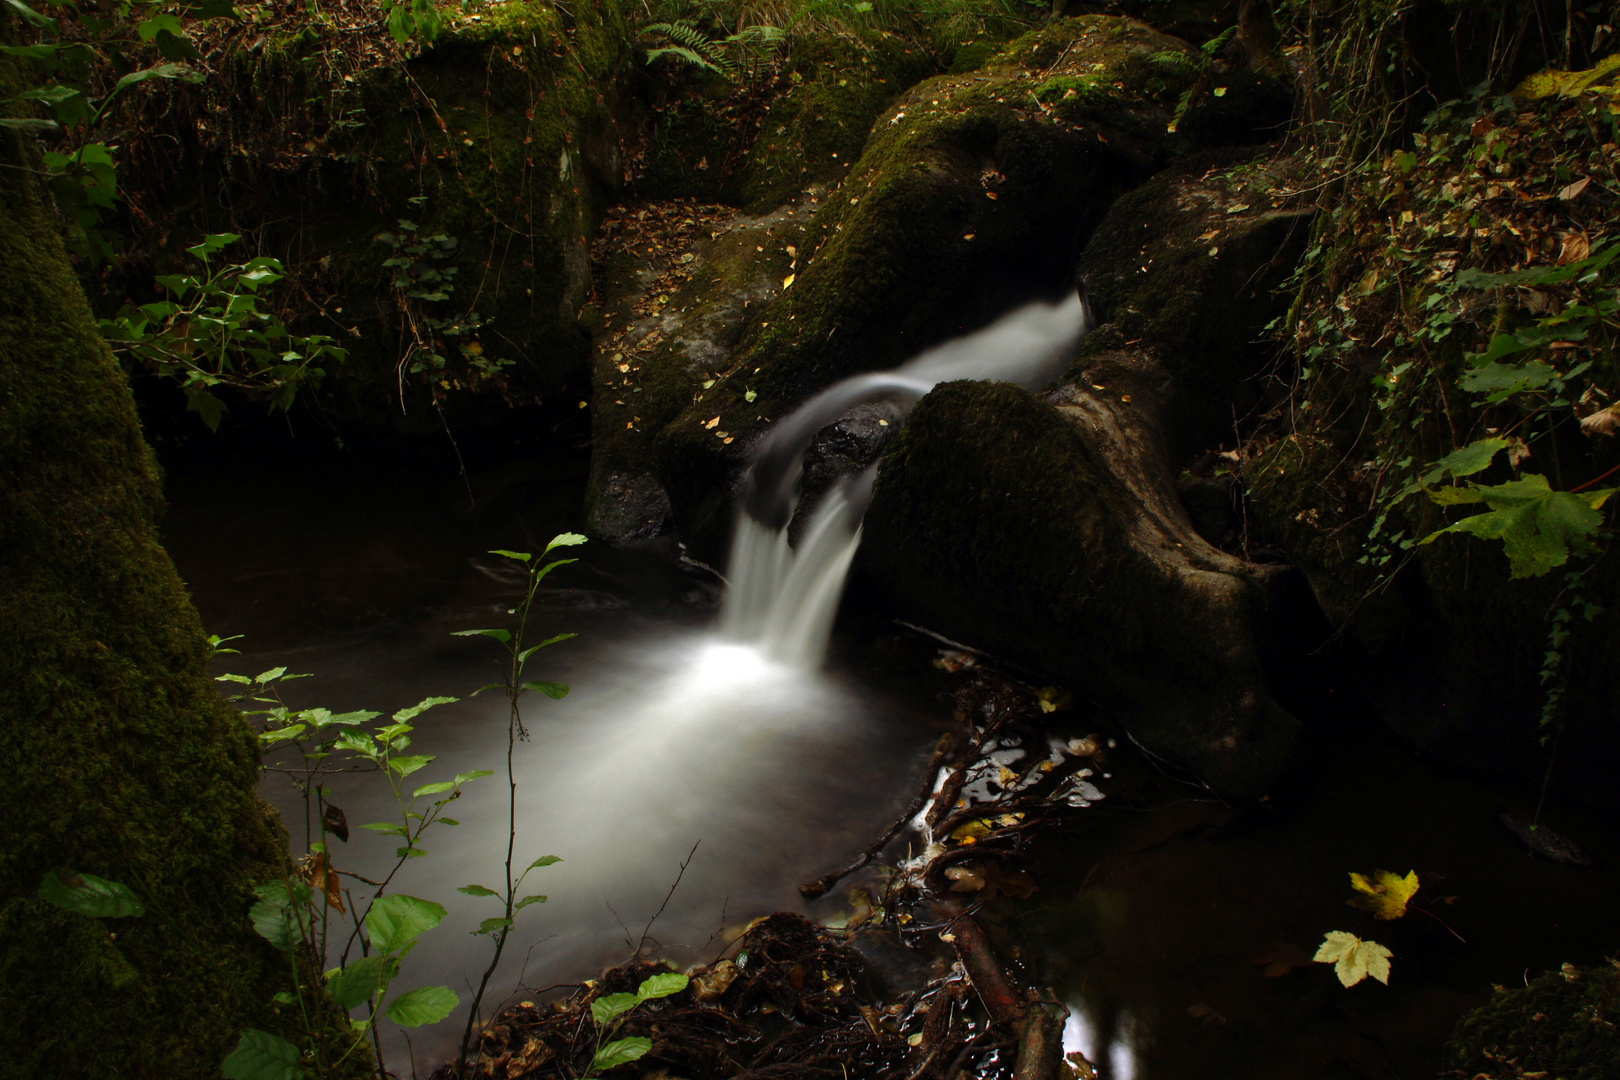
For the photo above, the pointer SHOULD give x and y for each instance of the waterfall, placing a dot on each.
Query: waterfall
(783, 598)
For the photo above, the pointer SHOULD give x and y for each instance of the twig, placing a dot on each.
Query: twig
(677, 884)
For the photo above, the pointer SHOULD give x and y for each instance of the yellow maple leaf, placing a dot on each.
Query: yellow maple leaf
(1354, 959)
(1386, 895)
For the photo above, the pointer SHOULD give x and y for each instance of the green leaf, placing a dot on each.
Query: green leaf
(356, 984)
(1473, 458)
(409, 763)
(611, 1007)
(31, 16)
(1537, 526)
(87, 894)
(662, 985)
(476, 774)
(393, 827)
(424, 1005)
(477, 890)
(556, 691)
(565, 540)
(520, 556)
(432, 789)
(396, 921)
(1502, 381)
(421, 707)
(489, 926)
(544, 860)
(620, 1052)
(532, 649)
(281, 916)
(526, 901)
(159, 71)
(262, 1056)
(26, 123)
(503, 636)
(149, 28)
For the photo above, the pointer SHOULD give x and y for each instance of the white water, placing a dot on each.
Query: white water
(733, 740)
(782, 600)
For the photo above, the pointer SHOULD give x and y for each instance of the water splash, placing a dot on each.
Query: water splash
(782, 599)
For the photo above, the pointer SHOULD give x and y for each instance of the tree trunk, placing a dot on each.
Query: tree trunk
(120, 758)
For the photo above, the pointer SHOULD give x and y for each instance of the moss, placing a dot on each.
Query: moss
(1553, 1027)
(120, 757)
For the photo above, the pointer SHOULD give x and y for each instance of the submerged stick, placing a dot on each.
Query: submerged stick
(811, 890)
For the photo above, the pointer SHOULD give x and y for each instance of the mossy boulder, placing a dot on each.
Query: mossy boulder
(1052, 530)
(974, 193)
(759, 146)
(674, 342)
(1047, 532)
(121, 758)
(495, 148)
(1562, 1024)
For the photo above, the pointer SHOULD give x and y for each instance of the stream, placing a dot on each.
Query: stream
(1179, 930)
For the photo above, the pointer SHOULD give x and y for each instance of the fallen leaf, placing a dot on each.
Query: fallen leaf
(1573, 247)
(710, 984)
(1385, 896)
(1573, 191)
(1354, 959)
(788, 280)
(1602, 422)
(1281, 960)
(1238, 209)
(972, 832)
(712, 424)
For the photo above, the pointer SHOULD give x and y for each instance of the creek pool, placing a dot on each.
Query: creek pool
(1179, 930)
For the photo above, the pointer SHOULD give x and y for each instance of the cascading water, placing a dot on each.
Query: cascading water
(735, 741)
(782, 599)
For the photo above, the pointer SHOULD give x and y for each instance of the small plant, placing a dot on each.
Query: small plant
(423, 280)
(615, 1009)
(294, 914)
(216, 333)
(518, 653)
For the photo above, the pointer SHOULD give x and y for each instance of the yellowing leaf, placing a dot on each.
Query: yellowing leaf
(787, 281)
(1354, 959)
(1386, 895)
(972, 832)
(712, 424)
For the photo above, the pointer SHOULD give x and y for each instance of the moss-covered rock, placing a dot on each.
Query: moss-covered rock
(974, 193)
(121, 759)
(760, 146)
(1563, 1025)
(645, 376)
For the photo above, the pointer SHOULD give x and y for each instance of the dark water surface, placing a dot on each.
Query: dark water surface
(1178, 929)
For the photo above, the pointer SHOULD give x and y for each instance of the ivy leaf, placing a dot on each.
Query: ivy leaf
(1384, 896)
(262, 1056)
(424, 1005)
(1354, 959)
(87, 894)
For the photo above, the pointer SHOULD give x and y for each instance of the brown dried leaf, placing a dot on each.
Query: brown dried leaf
(1602, 422)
